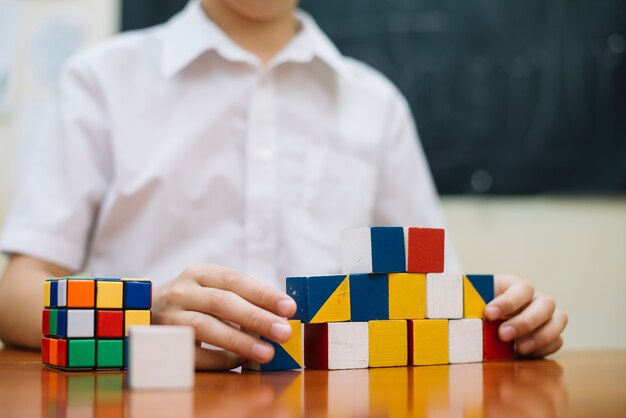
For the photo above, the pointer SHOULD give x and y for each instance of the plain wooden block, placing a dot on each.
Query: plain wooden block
(287, 356)
(369, 297)
(466, 340)
(161, 357)
(428, 341)
(336, 345)
(425, 250)
(444, 296)
(478, 291)
(407, 295)
(320, 298)
(388, 343)
(376, 249)
(493, 347)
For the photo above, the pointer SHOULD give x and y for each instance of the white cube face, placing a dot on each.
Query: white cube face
(356, 250)
(465, 340)
(62, 293)
(161, 357)
(444, 296)
(348, 345)
(80, 323)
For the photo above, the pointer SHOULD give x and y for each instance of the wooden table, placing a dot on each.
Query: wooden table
(574, 383)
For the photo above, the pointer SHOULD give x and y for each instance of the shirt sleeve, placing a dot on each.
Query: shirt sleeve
(406, 193)
(65, 177)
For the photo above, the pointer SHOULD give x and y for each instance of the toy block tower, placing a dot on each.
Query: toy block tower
(85, 320)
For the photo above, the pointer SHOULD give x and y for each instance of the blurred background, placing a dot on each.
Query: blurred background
(521, 107)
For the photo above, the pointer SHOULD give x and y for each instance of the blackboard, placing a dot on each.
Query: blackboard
(509, 97)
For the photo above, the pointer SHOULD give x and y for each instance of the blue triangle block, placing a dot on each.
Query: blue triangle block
(483, 283)
(281, 361)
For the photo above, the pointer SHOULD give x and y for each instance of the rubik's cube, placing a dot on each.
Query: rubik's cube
(85, 320)
(392, 306)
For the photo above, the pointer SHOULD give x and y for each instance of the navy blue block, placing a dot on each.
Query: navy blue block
(62, 322)
(137, 295)
(388, 249)
(54, 293)
(310, 293)
(281, 361)
(483, 283)
(296, 287)
(369, 297)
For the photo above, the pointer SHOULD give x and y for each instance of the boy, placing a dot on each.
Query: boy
(235, 134)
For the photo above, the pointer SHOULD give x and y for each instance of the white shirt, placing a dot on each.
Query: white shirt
(174, 146)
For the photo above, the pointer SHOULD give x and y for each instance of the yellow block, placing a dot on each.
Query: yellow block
(293, 346)
(337, 306)
(135, 318)
(110, 294)
(46, 294)
(474, 305)
(388, 343)
(407, 295)
(430, 341)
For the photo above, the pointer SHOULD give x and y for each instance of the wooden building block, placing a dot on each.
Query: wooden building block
(110, 294)
(444, 296)
(425, 250)
(334, 346)
(287, 356)
(80, 293)
(407, 295)
(388, 343)
(466, 340)
(493, 347)
(369, 297)
(320, 298)
(161, 357)
(428, 341)
(133, 317)
(478, 291)
(80, 323)
(377, 249)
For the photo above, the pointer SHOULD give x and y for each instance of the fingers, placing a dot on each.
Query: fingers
(217, 360)
(213, 331)
(546, 339)
(536, 314)
(513, 295)
(233, 308)
(258, 293)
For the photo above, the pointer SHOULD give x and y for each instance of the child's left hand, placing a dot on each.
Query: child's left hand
(534, 321)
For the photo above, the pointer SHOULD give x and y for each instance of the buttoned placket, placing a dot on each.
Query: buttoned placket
(261, 182)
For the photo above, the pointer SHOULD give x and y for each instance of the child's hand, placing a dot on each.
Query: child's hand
(534, 321)
(216, 301)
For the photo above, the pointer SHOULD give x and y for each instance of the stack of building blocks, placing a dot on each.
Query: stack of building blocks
(394, 306)
(85, 320)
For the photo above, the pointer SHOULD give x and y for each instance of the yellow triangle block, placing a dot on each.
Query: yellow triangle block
(473, 303)
(293, 346)
(337, 306)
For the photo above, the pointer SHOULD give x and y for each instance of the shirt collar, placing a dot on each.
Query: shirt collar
(191, 33)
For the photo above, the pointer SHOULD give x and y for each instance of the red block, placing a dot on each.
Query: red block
(45, 350)
(45, 322)
(316, 346)
(62, 353)
(110, 324)
(493, 347)
(425, 250)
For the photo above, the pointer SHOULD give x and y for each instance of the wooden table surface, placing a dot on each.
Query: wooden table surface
(573, 383)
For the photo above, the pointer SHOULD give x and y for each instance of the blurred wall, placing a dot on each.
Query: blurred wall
(571, 248)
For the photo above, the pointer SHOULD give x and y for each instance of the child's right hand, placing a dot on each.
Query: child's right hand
(216, 301)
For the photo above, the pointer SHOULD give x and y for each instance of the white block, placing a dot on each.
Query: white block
(444, 296)
(465, 340)
(62, 293)
(348, 345)
(80, 323)
(161, 357)
(356, 250)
